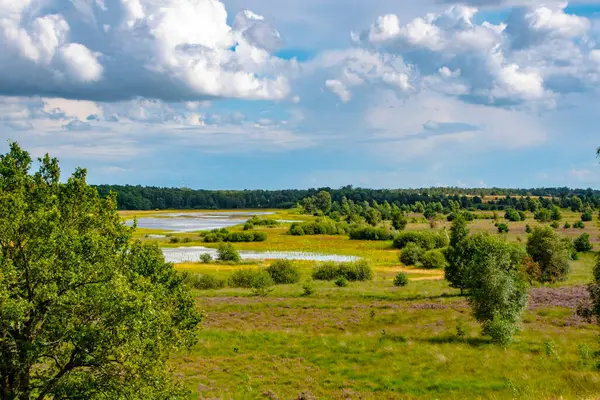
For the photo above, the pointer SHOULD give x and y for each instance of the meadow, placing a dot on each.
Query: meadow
(372, 340)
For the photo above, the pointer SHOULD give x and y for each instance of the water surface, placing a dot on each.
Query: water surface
(195, 221)
(192, 254)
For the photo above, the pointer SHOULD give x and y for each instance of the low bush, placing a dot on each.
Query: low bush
(284, 272)
(341, 282)
(401, 279)
(586, 216)
(319, 227)
(411, 254)
(353, 271)
(371, 233)
(309, 288)
(555, 224)
(226, 252)
(256, 221)
(204, 281)
(174, 240)
(433, 259)
(425, 240)
(567, 225)
(223, 235)
(262, 283)
(242, 278)
(579, 225)
(205, 258)
(502, 228)
(582, 243)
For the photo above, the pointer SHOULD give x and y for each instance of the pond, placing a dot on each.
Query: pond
(195, 221)
(192, 254)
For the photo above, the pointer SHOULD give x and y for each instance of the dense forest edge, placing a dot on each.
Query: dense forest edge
(157, 198)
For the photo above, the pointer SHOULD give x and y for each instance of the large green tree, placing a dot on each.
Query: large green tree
(552, 252)
(85, 312)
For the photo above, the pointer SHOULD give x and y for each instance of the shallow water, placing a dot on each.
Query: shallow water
(195, 221)
(192, 254)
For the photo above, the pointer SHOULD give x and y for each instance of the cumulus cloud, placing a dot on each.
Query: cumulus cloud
(538, 53)
(166, 49)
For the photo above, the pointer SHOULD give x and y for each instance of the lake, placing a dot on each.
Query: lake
(195, 221)
(192, 254)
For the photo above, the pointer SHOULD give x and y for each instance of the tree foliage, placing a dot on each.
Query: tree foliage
(551, 251)
(84, 311)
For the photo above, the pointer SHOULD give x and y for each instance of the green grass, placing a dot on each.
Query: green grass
(372, 340)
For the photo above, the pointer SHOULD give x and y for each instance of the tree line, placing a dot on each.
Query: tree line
(150, 198)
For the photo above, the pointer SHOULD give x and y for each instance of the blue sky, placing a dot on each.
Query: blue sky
(236, 94)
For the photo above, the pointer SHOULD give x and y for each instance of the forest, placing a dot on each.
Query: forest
(152, 198)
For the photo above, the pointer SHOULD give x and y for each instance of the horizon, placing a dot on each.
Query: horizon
(238, 94)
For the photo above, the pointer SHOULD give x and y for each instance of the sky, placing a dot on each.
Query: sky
(272, 94)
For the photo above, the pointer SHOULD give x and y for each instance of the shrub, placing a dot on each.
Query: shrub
(309, 288)
(586, 216)
(248, 226)
(174, 240)
(582, 243)
(513, 215)
(296, 230)
(255, 221)
(204, 281)
(226, 252)
(262, 283)
(223, 235)
(370, 233)
(528, 228)
(341, 282)
(567, 225)
(187, 240)
(433, 259)
(242, 278)
(579, 225)
(399, 221)
(284, 272)
(205, 258)
(543, 215)
(411, 254)
(425, 240)
(326, 271)
(502, 228)
(401, 279)
(554, 225)
(260, 236)
(552, 252)
(354, 271)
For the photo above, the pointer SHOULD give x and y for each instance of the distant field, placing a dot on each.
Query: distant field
(374, 341)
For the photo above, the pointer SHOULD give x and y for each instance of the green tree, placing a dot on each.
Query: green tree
(489, 270)
(576, 204)
(85, 312)
(454, 271)
(323, 201)
(551, 251)
(582, 243)
(399, 221)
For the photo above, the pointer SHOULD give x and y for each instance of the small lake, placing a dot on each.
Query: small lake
(195, 221)
(192, 254)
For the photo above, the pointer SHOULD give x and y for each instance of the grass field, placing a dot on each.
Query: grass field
(371, 340)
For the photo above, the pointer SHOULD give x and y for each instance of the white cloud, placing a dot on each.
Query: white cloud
(339, 89)
(169, 49)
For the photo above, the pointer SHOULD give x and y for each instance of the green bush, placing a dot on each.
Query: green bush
(582, 243)
(567, 225)
(586, 216)
(262, 283)
(528, 228)
(411, 254)
(223, 235)
(401, 279)
(424, 239)
(554, 225)
(370, 233)
(433, 259)
(502, 228)
(226, 252)
(255, 221)
(174, 240)
(354, 271)
(579, 225)
(248, 226)
(319, 227)
(187, 240)
(341, 282)
(242, 278)
(514, 215)
(309, 288)
(205, 258)
(284, 272)
(204, 281)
